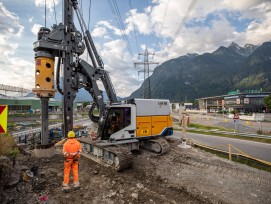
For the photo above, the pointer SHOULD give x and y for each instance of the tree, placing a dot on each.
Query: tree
(85, 103)
(267, 102)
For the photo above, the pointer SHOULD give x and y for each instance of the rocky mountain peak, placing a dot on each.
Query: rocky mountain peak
(234, 46)
(249, 46)
(244, 51)
(192, 55)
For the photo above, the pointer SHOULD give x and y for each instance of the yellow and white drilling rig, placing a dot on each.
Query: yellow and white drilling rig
(123, 126)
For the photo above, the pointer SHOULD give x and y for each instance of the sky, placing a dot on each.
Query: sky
(167, 28)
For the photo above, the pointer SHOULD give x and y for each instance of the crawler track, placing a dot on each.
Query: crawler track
(159, 146)
(114, 156)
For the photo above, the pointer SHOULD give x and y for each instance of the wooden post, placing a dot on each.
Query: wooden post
(229, 151)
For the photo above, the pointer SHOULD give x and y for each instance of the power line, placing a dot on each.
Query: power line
(114, 8)
(55, 10)
(189, 10)
(45, 13)
(89, 9)
(122, 25)
(134, 27)
(81, 7)
(186, 16)
(162, 24)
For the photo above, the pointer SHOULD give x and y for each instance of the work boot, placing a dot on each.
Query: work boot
(66, 188)
(76, 185)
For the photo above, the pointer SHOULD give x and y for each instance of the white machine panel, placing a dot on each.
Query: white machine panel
(149, 107)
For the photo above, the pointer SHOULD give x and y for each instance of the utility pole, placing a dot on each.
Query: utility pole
(146, 71)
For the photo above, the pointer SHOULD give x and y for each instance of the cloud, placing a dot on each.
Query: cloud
(207, 26)
(142, 22)
(109, 26)
(35, 29)
(99, 32)
(20, 73)
(10, 29)
(120, 66)
(115, 30)
(14, 71)
(30, 20)
(49, 3)
(259, 29)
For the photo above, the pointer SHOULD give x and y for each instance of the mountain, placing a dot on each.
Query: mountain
(189, 77)
(245, 51)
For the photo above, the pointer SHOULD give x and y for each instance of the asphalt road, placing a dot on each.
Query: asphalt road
(224, 121)
(254, 149)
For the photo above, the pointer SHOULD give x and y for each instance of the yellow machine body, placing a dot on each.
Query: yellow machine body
(153, 125)
(44, 77)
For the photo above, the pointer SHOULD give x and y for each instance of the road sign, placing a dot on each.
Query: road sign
(3, 118)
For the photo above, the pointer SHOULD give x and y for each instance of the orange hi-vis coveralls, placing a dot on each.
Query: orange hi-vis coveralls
(71, 151)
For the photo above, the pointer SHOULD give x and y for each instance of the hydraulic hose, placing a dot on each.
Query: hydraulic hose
(58, 76)
(92, 117)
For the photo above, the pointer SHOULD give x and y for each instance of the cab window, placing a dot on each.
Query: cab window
(117, 119)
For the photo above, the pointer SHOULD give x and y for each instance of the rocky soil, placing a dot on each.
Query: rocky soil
(179, 176)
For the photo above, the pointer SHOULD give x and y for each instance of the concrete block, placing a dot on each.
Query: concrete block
(47, 151)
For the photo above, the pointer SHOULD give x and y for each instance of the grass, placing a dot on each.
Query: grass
(10, 147)
(209, 127)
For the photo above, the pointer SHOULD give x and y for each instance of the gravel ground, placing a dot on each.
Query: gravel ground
(179, 176)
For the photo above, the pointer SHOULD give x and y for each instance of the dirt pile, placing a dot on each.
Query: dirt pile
(180, 176)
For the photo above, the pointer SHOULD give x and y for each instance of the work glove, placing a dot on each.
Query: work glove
(76, 158)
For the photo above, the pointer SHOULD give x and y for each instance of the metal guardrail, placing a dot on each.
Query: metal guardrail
(34, 134)
(239, 154)
(29, 138)
(243, 134)
(33, 131)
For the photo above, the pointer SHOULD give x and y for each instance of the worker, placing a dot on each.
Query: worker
(184, 122)
(115, 124)
(71, 151)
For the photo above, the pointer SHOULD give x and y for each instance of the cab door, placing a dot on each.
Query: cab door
(159, 123)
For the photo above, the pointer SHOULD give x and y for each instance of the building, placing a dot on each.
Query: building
(26, 104)
(247, 102)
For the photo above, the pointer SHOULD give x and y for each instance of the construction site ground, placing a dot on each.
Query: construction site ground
(179, 176)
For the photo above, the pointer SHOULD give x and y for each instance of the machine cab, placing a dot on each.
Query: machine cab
(118, 123)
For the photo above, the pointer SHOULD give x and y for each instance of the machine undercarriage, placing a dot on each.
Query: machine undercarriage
(117, 154)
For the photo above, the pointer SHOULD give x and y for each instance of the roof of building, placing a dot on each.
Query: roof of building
(237, 94)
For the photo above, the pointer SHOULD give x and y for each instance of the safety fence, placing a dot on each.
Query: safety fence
(234, 153)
